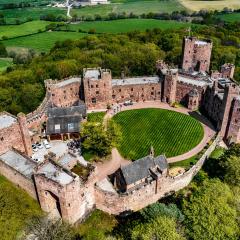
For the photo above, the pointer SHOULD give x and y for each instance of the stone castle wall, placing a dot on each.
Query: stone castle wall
(114, 203)
(137, 92)
(18, 179)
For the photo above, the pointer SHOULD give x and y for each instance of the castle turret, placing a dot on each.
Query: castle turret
(196, 54)
(230, 92)
(25, 134)
(170, 86)
(193, 100)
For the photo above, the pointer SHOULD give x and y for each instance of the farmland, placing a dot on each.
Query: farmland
(42, 42)
(127, 25)
(195, 5)
(233, 17)
(4, 63)
(159, 128)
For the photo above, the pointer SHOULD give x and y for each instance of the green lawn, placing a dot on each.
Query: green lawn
(4, 63)
(137, 7)
(96, 117)
(127, 25)
(232, 17)
(187, 163)
(16, 209)
(11, 31)
(42, 42)
(170, 133)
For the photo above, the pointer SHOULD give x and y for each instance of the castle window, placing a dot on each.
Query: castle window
(131, 96)
(53, 94)
(69, 204)
(57, 128)
(113, 96)
(71, 89)
(132, 89)
(238, 109)
(142, 95)
(91, 86)
(97, 86)
(64, 91)
(142, 89)
(159, 93)
(122, 96)
(97, 92)
(152, 88)
(120, 90)
(104, 85)
(2, 138)
(94, 100)
(152, 93)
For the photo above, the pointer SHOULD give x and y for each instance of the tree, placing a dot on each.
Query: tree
(161, 228)
(159, 209)
(210, 212)
(46, 229)
(3, 51)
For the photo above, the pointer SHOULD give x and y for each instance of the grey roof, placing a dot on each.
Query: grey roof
(68, 118)
(56, 174)
(6, 120)
(135, 80)
(193, 92)
(139, 169)
(92, 74)
(18, 162)
(188, 80)
(68, 81)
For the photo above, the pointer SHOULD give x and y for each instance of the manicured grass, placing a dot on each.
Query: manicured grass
(196, 5)
(187, 163)
(11, 31)
(96, 117)
(16, 209)
(4, 63)
(231, 17)
(127, 25)
(170, 133)
(137, 7)
(42, 42)
(218, 152)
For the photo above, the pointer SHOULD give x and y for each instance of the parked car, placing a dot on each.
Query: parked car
(128, 103)
(46, 144)
(39, 145)
(34, 148)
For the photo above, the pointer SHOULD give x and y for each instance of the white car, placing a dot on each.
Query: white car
(34, 148)
(39, 145)
(46, 144)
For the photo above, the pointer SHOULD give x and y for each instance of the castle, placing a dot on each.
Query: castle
(53, 181)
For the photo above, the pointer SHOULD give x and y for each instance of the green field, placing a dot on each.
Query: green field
(170, 133)
(4, 63)
(127, 25)
(42, 42)
(232, 17)
(22, 29)
(137, 7)
(22, 14)
(16, 210)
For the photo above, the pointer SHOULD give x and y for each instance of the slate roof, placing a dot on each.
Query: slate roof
(139, 169)
(63, 117)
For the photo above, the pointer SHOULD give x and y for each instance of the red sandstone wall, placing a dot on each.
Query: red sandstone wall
(11, 137)
(64, 96)
(136, 93)
(18, 179)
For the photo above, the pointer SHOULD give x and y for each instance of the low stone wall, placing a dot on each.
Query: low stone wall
(18, 179)
(114, 203)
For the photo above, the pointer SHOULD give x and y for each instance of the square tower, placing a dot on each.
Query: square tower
(196, 54)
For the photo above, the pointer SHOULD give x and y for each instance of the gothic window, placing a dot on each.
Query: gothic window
(94, 100)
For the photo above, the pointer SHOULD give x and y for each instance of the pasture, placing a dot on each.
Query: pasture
(42, 42)
(127, 25)
(4, 63)
(196, 5)
(230, 17)
(136, 7)
(170, 133)
(22, 29)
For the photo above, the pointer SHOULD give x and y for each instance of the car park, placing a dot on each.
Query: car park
(34, 148)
